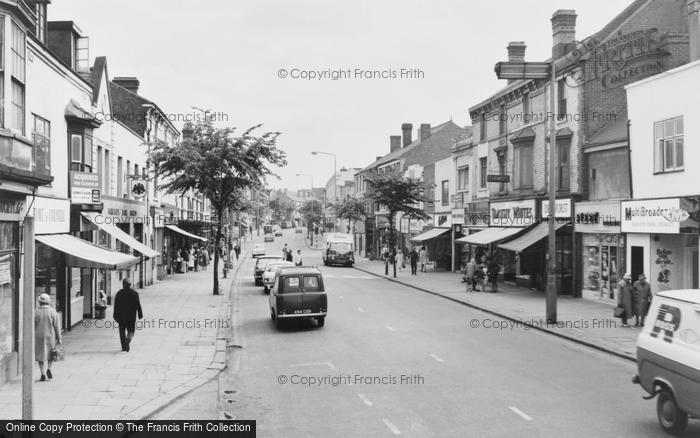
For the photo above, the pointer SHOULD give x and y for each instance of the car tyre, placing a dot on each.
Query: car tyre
(265, 290)
(278, 323)
(671, 418)
(321, 321)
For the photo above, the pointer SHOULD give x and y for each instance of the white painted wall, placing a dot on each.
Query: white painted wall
(444, 171)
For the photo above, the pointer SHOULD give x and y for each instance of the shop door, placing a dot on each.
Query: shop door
(86, 279)
(695, 268)
(637, 261)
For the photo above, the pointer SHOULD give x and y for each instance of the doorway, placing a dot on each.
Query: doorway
(637, 261)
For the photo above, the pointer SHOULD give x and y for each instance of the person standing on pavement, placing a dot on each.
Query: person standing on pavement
(47, 333)
(413, 255)
(400, 262)
(205, 258)
(493, 269)
(469, 274)
(237, 250)
(127, 307)
(423, 258)
(285, 250)
(642, 292)
(297, 258)
(625, 298)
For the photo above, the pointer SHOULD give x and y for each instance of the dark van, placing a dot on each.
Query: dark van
(298, 292)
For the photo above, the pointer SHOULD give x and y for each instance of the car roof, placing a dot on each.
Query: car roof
(688, 295)
(270, 257)
(295, 270)
(281, 263)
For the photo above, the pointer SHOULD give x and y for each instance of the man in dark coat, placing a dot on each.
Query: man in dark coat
(414, 260)
(126, 308)
(642, 292)
(493, 268)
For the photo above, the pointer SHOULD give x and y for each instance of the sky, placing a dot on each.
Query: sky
(252, 62)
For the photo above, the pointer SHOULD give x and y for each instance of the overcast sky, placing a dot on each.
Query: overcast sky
(226, 55)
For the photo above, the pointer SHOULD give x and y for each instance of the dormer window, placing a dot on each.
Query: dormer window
(82, 56)
(41, 21)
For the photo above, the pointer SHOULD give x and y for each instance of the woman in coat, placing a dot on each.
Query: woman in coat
(47, 333)
(625, 298)
(423, 258)
(642, 292)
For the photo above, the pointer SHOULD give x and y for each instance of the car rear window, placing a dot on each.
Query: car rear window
(311, 284)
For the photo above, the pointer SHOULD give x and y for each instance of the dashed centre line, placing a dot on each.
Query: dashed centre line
(360, 309)
(520, 413)
(395, 430)
(434, 356)
(365, 399)
(390, 328)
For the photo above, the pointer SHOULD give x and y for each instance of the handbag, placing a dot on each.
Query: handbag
(58, 353)
(619, 311)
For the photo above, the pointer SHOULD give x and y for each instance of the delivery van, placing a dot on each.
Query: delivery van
(339, 249)
(668, 357)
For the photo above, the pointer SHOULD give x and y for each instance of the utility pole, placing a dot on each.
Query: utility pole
(28, 321)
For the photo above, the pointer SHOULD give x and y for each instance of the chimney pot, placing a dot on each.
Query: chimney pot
(407, 130)
(394, 143)
(130, 83)
(694, 29)
(563, 32)
(424, 131)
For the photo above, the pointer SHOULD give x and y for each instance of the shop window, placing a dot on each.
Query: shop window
(42, 145)
(9, 289)
(668, 144)
(445, 196)
(562, 164)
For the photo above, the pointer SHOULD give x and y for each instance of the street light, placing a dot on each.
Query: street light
(542, 70)
(335, 182)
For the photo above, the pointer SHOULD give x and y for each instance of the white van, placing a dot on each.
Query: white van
(668, 357)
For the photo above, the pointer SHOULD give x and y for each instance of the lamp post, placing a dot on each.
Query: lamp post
(543, 70)
(335, 182)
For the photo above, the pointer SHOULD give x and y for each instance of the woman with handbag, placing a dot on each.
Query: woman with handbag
(47, 335)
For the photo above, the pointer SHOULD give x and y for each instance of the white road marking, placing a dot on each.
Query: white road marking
(390, 328)
(364, 399)
(520, 413)
(341, 297)
(395, 430)
(313, 364)
(360, 309)
(434, 356)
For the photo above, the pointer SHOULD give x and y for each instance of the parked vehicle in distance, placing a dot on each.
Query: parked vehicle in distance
(267, 228)
(261, 264)
(668, 357)
(277, 231)
(271, 271)
(339, 249)
(258, 250)
(298, 292)
(298, 230)
(269, 237)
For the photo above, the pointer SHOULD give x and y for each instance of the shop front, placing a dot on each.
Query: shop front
(131, 218)
(602, 255)
(662, 241)
(438, 241)
(476, 219)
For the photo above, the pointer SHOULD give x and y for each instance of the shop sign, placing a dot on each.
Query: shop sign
(411, 226)
(50, 215)
(562, 208)
(477, 215)
(138, 187)
(5, 273)
(85, 188)
(458, 216)
(663, 216)
(513, 213)
(442, 220)
(591, 217)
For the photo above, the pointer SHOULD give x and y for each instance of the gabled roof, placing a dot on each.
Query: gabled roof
(129, 109)
(613, 132)
(99, 70)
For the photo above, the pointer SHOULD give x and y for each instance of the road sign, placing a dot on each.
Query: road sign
(498, 178)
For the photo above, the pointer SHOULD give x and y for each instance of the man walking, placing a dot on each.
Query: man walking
(126, 308)
(237, 250)
(625, 298)
(413, 255)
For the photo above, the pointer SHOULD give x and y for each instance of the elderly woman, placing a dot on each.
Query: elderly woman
(47, 333)
(625, 298)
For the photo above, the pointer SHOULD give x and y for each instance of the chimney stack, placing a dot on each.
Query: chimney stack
(407, 130)
(563, 32)
(424, 131)
(379, 158)
(187, 131)
(394, 143)
(130, 83)
(694, 29)
(516, 53)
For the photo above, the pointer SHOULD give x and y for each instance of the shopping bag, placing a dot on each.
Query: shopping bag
(58, 353)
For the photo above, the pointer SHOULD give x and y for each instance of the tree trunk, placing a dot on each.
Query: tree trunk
(219, 234)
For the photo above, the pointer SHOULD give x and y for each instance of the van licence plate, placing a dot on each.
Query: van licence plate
(302, 311)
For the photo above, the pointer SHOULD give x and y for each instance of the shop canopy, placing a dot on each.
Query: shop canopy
(537, 233)
(488, 236)
(111, 229)
(185, 233)
(83, 254)
(430, 234)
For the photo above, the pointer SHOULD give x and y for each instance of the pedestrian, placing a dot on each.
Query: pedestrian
(423, 258)
(385, 252)
(196, 258)
(237, 250)
(285, 250)
(386, 257)
(290, 256)
(205, 258)
(400, 262)
(469, 274)
(297, 258)
(625, 298)
(413, 256)
(47, 335)
(127, 307)
(190, 259)
(643, 297)
(185, 260)
(493, 269)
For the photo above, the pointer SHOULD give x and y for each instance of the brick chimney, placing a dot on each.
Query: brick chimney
(394, 143)
(563, 32)
(694, 29)
(130, 83)
(378, 158)
(407, 130)
(188, 131)
(516, 53)
(424, 131)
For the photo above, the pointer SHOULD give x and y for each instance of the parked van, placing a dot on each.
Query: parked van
(339, 249)
(668, 357)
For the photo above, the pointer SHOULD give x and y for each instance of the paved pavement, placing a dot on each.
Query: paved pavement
(180, 346)
(392, 360)
(579, 320)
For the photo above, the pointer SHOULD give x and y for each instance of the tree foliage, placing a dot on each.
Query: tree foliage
(312, 212)
(218, 164)
(352, 209)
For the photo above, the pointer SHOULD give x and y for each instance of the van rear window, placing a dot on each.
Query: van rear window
(311, 284)
(291, 284)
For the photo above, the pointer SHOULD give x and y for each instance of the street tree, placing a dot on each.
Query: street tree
(352, 209)
(312, 212)
(219, 164)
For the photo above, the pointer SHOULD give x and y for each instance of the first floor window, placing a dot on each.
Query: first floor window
(445, 193)
(17, 103)
(81, 152)
(42, 145)
(668, 136)
(524, 166)
(483, 168)
(562, 164)
(463, 178)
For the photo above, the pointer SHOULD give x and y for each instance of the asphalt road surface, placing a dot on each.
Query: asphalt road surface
(393, 361)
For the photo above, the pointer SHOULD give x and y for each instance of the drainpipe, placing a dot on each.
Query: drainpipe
(629, 156)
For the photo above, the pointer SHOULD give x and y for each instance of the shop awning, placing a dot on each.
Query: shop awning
(430, 234)
(539, 232)
(83, 254)
(185, 233)
(114, 231)
(488, 236)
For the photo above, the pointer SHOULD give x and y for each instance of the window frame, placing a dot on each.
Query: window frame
(561, 99)
(463, 179)
(45, 135)
(483, 170)
(563, 184)
(663, 139)
(86, 143)
(530, 147)
(445, 192)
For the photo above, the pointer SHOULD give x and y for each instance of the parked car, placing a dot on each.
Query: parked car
(668, 357)
(269, 237)
(298, 292)
(278, 232)
(339, 249)
(260, 265)
(298, 230)
(258, 250)
(268, 276)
